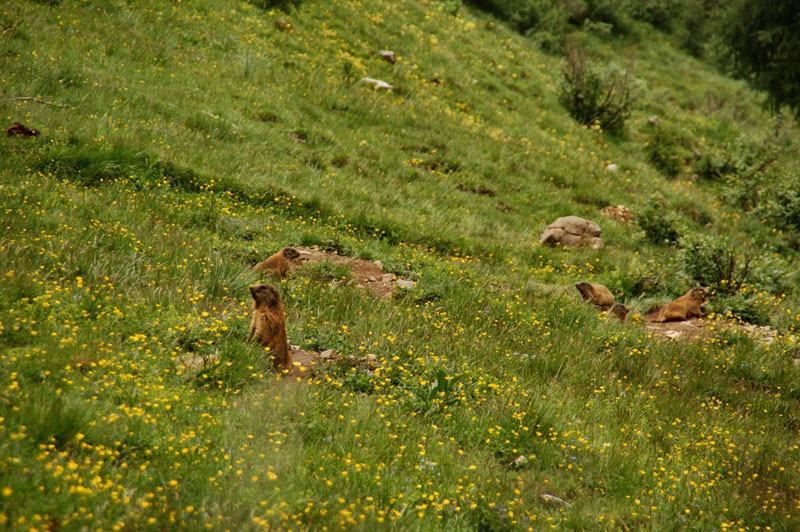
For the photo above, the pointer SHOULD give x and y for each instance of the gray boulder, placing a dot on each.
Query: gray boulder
(573, 232)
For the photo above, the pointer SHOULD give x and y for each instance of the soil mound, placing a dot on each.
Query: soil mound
(366, 274)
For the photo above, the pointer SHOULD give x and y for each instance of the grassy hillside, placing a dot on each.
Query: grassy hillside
(182, 142)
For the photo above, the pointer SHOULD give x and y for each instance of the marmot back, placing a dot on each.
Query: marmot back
(278, 264)
(597, 294)
(686, 307)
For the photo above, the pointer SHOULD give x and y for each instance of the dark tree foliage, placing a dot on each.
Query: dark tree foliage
(763, 39)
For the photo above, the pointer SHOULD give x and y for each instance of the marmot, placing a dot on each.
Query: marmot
(269, 324)
(597, 294)
(279, 263)
(20, 130)
(620, 311)
(686, 307)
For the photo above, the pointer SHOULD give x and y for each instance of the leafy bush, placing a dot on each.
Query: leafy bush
(548, 21)
(782, 208)
(746, 308)
(717, 264)
(667, 150)
(744, 157)
(544, 20)
(751, 179)
(659, 225)
(596, 96)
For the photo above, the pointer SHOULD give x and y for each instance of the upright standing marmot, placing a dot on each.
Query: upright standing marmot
(279, 263)
(685, 307)
(269, 324)
(597, 294)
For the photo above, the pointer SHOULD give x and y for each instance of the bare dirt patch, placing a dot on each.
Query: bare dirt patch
(366, 274)
(303, 362)
(689, 330)
(692, 330)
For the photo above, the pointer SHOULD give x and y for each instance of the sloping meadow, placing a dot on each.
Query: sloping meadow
(205, 136)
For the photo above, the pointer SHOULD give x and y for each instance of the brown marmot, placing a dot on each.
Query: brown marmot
(21, 130)
(620, 311)
(269, 324)
(278, 264)
(597, 294)
(685, 307)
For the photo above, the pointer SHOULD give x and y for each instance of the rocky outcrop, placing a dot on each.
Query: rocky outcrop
(573, 232)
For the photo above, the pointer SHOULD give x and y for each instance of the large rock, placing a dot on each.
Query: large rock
(571, 231)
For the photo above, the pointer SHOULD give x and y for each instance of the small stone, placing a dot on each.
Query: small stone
(377, 83)
(796, 361)
(388, 55)
(612, 167)
(519, 461)
(328, 354)
(387, 277)
(371, 279)
(654, 120)
(673, 335)
(379, 264)
(555, 500)
(408, 285)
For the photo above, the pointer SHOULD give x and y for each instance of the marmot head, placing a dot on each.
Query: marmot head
(585, 289)
(290, 253)
(265, 295)
(699, 292)
(619, 310)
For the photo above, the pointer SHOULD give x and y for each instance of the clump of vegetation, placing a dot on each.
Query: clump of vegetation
(275, 4)
(326, 271)
(720, 265)
(753, 178)
(667, 149)
(749, 308)
(743, 159)
(782, 207)
(763, 41)
(543, 20)
(660, 225)
(595, 96)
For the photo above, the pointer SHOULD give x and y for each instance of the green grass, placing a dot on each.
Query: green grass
(205, 136)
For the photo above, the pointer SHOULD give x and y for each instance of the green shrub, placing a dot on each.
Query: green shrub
(549, 21)
(748, 309)
(544, 20)
(667, 150)
(596, 96)
(659, 225)
(782, 208)
(719, 265)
